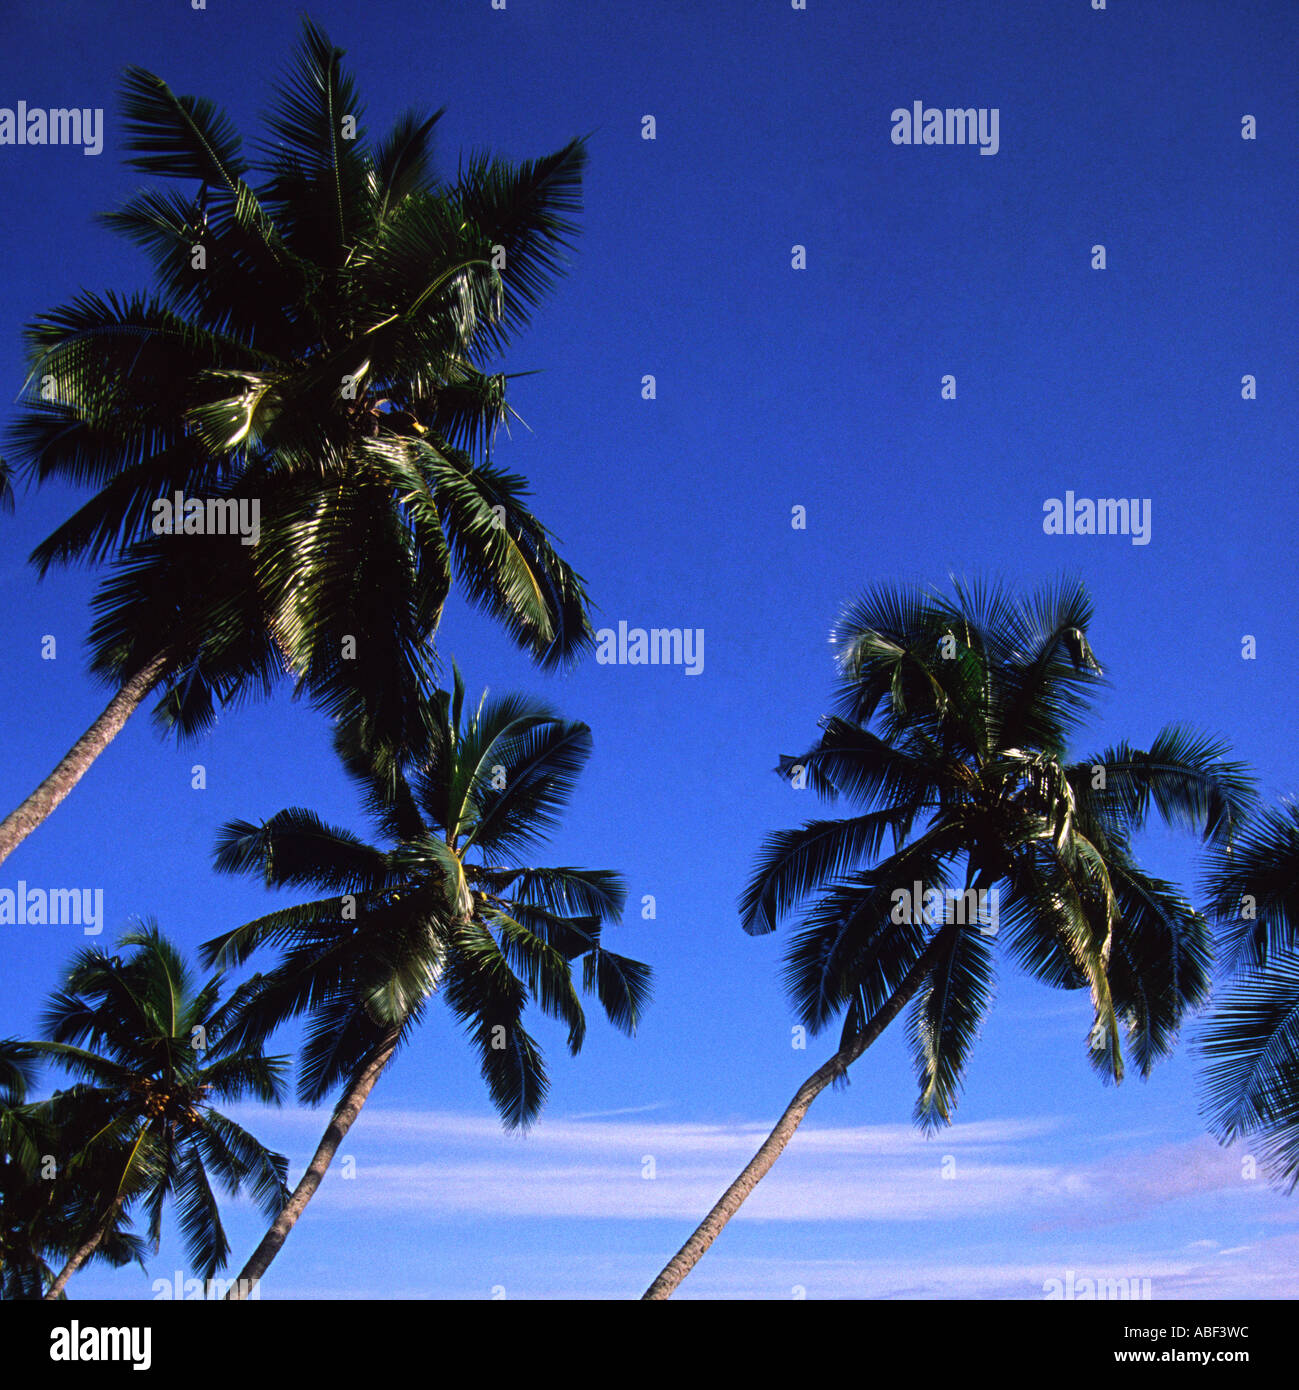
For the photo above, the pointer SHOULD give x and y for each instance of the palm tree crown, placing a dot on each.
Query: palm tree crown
(952, 730)
(61, 1168)
(321, 345)
(445, 905)
(154, 1052)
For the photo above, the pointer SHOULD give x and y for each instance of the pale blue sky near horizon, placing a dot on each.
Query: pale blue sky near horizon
(776, 388)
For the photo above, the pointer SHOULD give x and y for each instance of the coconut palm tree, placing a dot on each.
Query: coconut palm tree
(18, 1067)
(1251, 1042)
(26, 1204)
(29, 1229)
(154, 1051)
(25, 1201)
(447, 905)
(49, 1201)
(320, 343)
(952, 729)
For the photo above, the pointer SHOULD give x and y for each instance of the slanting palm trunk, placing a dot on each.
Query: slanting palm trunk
(82, 1253)
(733, 1198)
(16, 826)
(349, 1107)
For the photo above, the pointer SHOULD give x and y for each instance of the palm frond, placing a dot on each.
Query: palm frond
(945, 1019)
(1251, 1046)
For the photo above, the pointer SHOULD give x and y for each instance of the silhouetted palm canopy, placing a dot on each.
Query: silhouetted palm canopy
(46, 1212)
(32, 1224)
(28, 1227)
(19, 1063)
(321, 340)
(31, 1229)
(952, 731)
(447, 904)
(1251, 1041)
(154, 1051)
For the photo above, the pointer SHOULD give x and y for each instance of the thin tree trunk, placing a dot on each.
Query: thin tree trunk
(733, 1198)
(349, 1107)
(20, 823)
(82, 1253)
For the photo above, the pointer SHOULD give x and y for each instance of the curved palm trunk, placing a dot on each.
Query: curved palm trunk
(82, 1253)
(20, 823)
(761, 1163)
(348, 1108)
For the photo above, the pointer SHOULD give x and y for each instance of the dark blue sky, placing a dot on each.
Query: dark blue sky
(776, 388)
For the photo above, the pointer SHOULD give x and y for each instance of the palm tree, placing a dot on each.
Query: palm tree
(1252, 1038)
(444, 907)
(18, 1066)
(319, 343)
(23, 1198)
(47, 1206)
(154, 1050)
(25, 1201)
(952, 727)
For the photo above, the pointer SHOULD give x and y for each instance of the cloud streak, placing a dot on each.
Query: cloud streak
(432, 1165)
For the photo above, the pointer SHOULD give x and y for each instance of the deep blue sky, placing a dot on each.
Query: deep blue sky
(775, 388)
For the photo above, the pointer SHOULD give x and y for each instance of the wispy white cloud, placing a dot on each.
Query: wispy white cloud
(1267, 1273)
(590, 1133)
(444, 1205)
(990, 1209)
(430, 1165)
(1113, 1191)
(610, 1114)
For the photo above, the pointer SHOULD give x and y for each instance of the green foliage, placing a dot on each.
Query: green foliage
(320, 338)
(1251, 1042)
(442, 908)
(952, 724)
(151, 1050)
